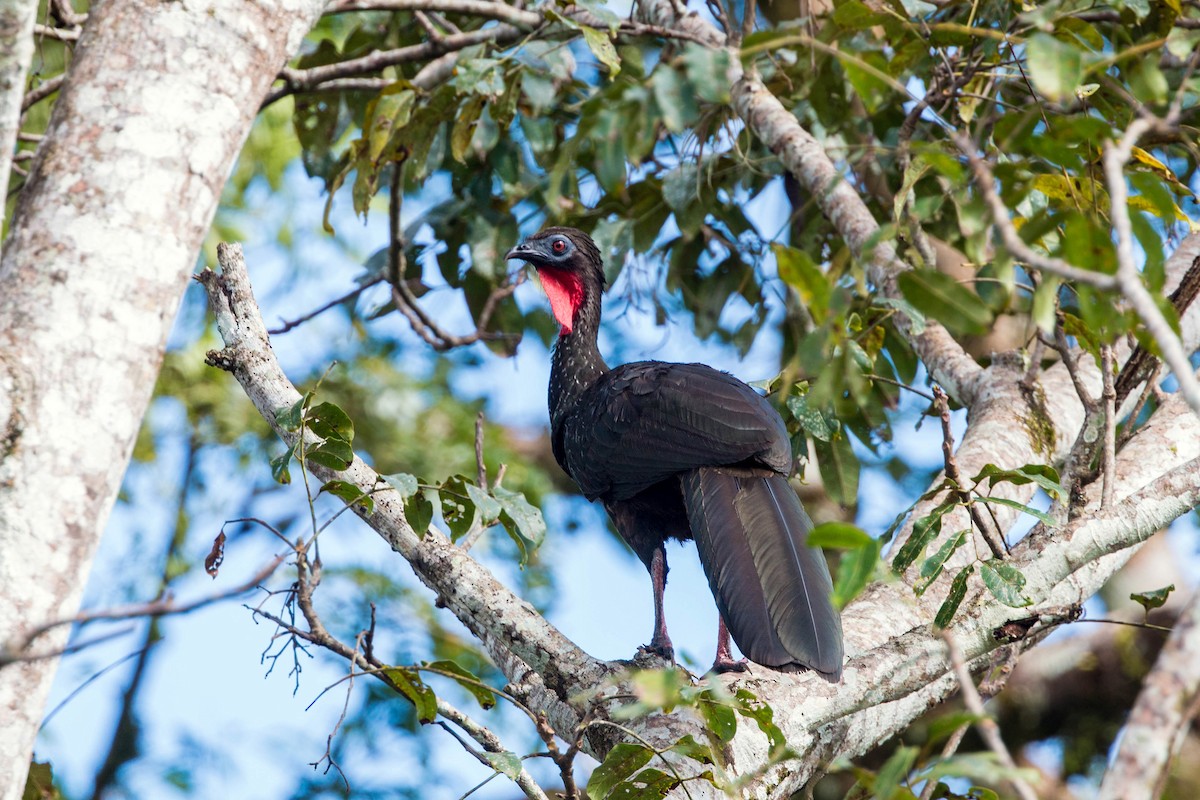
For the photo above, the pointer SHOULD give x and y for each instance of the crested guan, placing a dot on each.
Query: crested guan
(685, 451)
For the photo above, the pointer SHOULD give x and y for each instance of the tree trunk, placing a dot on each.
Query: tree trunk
(155, 108)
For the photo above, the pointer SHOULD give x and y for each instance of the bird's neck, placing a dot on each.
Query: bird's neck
(577, 362)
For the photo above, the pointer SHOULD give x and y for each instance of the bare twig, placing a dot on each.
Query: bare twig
(350, 295)
(14, 651)
(43, 91)
(486, 9)
(65, 13)
(1129, 281)
(989, 731)
(1109, 397)
(995, 541)
(1008, 232)
(62, 34)
(480, 467)
(406, 302)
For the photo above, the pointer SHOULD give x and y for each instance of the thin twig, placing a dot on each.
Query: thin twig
(62, 34)
(995, 541)
(989, 731)
(1110, 426)
(1008, 232)
(14, 651)
(43, 91)
(289, 325)
(480, 467)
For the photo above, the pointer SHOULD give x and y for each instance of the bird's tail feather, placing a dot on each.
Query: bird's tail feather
(772, 589)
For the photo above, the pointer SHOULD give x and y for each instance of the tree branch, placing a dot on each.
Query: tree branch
(518, 639)
(1128, 278)
(1164, 709)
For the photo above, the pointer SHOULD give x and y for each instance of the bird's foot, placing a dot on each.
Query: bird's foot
(660, 646)
(729, 664)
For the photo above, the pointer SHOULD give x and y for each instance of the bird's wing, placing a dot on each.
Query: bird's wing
(644, 422)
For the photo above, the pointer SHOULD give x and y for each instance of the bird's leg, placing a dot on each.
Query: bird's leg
(661, 643)
(725, 662)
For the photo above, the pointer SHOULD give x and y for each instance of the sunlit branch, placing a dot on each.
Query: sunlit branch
(1128, 279)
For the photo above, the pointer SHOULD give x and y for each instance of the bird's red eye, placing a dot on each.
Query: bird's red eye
(559, 246)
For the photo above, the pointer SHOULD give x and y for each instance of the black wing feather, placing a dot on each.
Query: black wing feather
(644, 422)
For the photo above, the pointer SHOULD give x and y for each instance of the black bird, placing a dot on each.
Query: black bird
(685, 451)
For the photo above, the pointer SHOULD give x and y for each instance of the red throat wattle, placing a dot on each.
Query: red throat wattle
(565, 291)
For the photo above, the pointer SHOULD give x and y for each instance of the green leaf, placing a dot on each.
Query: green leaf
(458, 509)
(418, 510)
(690, 748)
(958, 590)
(855, 571)
(1055, 67)
(839, 468)
(1043, 475)
(840, 535)
(351, 494)
(403, 483)
(506, 763)
(409, 684)
(1004, 501)
(291, 417)
(602, 48)
(798, 270)
(1005, 582)
(655, 690)
(279, 466)
(464, 127)
(982, 767)
(39, 784)
(751, 707)
(816, 422)
(330, 422)
(933, 566)
(893, 772)
(1153, 599)
(467, 680)
(924, 531)
(622, 761)
(676, 104)
(489, 507)
(915, 318)
(332, 453)
(944, 299)
(1045, 303)
(708, 70)
(649, 784)
(523, 521)
(718, 716)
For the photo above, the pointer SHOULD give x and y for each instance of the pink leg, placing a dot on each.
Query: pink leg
(661, 643)
(725, 662)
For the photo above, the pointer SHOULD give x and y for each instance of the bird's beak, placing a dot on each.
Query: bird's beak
(522, 251)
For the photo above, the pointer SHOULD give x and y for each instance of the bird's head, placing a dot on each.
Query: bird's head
(569, 264)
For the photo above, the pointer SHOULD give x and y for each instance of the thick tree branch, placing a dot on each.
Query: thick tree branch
(89, 288)
(1163, 711)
